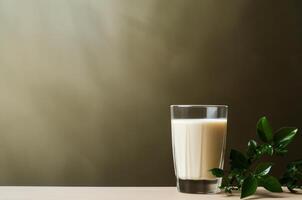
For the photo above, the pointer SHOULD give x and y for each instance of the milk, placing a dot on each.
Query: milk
(198, 146)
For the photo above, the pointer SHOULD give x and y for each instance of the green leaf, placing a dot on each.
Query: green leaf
(264, 130)
(252, 146)
(228, 190)
(291, 185)
(263, 169)
(224, 183)
(217, 172)
(299, 175)
(284, 136)
(281, 152)
(238, 160)
(266, 149)
(271, 184)
(249, 186)
(239, 178)
(291, 168)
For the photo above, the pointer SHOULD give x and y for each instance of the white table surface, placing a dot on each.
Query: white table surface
(123, 193)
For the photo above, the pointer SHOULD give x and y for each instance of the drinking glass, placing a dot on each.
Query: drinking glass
(198, 141)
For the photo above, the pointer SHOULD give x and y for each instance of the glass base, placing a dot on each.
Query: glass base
(198, 186)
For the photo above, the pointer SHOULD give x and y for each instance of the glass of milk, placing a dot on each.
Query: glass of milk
(198, 140)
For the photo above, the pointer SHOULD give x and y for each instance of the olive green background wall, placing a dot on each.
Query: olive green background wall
(86, 85)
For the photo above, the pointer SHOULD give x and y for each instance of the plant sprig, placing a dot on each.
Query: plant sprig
(247, 173)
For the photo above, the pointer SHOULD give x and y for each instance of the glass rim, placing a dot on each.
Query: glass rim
(198, 106)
